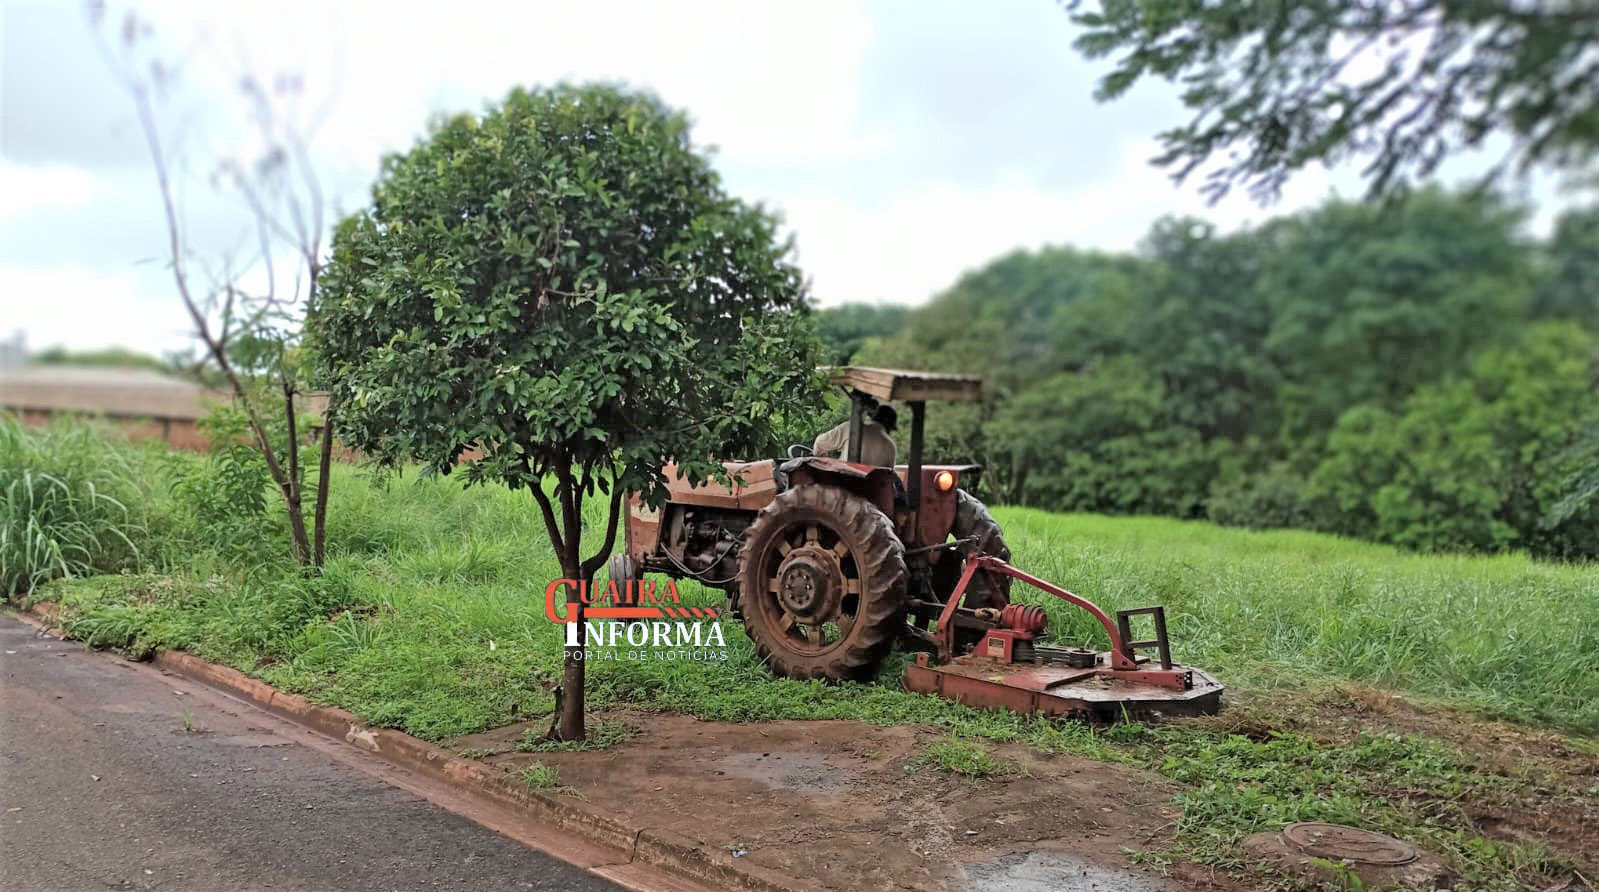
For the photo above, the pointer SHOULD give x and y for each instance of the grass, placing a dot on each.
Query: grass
(1406, 785)
(64, 494)
(417, 625)
(602, 734)
(539, 776)
(1501, 634)
(961, 757)
(429, 618)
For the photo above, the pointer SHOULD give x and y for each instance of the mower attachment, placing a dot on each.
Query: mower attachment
(1007, 670)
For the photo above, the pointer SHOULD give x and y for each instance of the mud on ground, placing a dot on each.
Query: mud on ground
(847, 805)
(854, 806)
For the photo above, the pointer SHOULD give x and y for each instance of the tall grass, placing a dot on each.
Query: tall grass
(64, 504)
(1507, 634)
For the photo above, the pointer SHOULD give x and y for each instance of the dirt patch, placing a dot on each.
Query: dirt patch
(844, 804)
(853, 806)
(802, 772)
(1498, 747)
(1551, 790)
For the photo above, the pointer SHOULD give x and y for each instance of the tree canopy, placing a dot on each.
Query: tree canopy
(845, 328)
(1420, 373)
(1400, 86)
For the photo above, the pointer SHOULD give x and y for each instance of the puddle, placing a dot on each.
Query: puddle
(1052, 872)
(788, 770)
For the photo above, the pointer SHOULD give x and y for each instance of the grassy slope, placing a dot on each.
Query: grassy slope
(1504, 634)
(430, 618)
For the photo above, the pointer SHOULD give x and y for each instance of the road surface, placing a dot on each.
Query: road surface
(116, 776)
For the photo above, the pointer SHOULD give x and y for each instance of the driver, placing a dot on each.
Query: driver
(877, 447)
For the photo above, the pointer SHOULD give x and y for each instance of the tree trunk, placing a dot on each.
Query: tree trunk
(319, 520)
(569, 723)
(291, 487)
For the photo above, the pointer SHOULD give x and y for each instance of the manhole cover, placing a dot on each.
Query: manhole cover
(1336, 842)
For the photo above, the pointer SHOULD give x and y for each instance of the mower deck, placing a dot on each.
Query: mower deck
(1095, 693)
(1010, 669)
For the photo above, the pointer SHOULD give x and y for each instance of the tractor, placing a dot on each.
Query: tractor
(830, 563)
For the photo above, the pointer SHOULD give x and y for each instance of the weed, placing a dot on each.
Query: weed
(601, 735)
(475, 753)
(1391, 783)
(961, 757)
(539, 776)
(1348, 880)
(188, 721)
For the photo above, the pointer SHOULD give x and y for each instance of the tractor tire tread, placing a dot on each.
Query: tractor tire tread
(881, 555)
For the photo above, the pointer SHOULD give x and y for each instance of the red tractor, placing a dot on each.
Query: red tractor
(830, 562)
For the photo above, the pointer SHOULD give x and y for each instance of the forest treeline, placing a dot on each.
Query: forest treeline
(1419, 372)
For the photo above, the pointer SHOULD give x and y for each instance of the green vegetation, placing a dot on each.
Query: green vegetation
(110, 357)
(1401, 87)
(601, 735)
(846, 328)
(428, 618)
(1420, 374)
(606, 309)
(1410, 786)
(539, 776)
(417, 626)
(64, 505)
(961, 757)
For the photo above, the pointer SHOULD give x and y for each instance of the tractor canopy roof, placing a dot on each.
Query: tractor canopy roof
(900, 385)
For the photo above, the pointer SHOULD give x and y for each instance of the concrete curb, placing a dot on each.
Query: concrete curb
(662, 848)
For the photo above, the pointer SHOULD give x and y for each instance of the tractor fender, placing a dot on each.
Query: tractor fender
(873, 483)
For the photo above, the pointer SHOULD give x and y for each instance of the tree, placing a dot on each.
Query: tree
(844, 329)
(1400, 84)
(1477, 461)
(249, 335)
(562, 285)
(1021, 318)
(1369, 303)
(1203, 325)
(1571, 289)
(1100, 440)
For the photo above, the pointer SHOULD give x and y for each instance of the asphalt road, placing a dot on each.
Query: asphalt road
(102, 787)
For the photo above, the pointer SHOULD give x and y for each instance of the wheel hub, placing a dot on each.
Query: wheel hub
(809, 584)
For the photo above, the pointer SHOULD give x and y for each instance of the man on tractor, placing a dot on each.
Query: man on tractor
(877, 446)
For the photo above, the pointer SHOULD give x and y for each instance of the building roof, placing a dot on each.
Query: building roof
(126, 393)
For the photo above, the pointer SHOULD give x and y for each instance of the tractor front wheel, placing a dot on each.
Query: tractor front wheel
(822, 575)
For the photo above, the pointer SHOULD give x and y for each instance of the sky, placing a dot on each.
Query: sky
(902, 141)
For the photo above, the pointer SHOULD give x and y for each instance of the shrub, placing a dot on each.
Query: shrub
(1270, 499)
(224, 494)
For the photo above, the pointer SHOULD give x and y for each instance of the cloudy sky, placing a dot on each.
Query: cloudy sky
(904, 141)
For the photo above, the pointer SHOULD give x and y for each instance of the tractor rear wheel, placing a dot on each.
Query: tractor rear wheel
(972, 521)
(822, 576)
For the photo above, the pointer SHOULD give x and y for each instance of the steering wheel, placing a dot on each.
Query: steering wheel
(799, 450)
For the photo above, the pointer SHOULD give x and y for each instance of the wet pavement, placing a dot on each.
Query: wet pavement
(115, 776)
